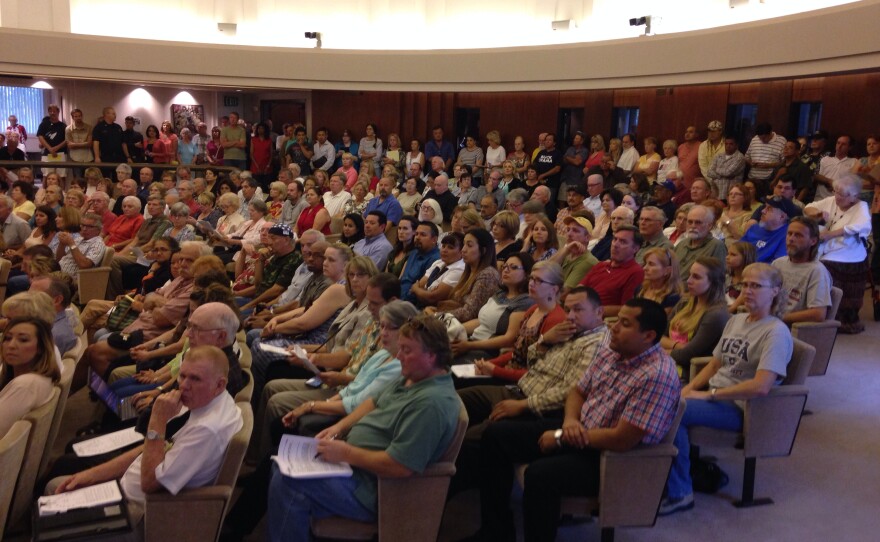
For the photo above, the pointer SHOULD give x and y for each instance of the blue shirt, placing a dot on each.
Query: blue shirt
(416, 264)
(444, 151)
(375, 248)
(769, 244)
(391, 207)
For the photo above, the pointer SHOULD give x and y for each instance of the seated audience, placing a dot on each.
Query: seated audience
(805, 279)
(424, 253)
(505, 228)
(768, 235)
(651, 220)
(573, 256)
(539, 240)
(62, 326)
(616, 279)
(443, 275)
(739, 256)
(748, 361)
(662, 281)
(374, 244)
(406, 229)
(352, 229)
(699, 242)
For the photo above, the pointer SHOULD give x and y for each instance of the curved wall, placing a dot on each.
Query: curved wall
(834, 40)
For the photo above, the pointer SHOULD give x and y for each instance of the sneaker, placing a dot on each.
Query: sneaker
(671, 506)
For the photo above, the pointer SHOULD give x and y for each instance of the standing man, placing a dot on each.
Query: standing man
(699, 241)
(573, 165)
(765, 152)
(437, 146)
(79, 142)
(728, 167)
(806, 280)
(548, 164)
(134, 141)
(628, 396)
(793, 168)
(233, 139)
(107, 141)
(834, 167)
(818, 151)
(201, 139)
(540, 146)
(51, 135)
(712, 147)
(324, 153)
(299, 152)
(688, 156)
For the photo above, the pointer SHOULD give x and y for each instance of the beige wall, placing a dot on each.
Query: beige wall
(834, 40)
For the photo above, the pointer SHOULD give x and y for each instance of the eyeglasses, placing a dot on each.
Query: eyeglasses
(193, 328)
(511, 267)
(754, 285)
(88, 225)
(539, 280)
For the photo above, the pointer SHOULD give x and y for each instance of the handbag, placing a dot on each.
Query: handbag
(122, 315)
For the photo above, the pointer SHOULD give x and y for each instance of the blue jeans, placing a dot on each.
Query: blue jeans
(242, 301)
(125, 387)
(293, 501)
(723, 415)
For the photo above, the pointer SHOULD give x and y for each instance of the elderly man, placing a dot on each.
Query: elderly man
(488, 210)
(294, 204)
(276, 266)
(543, 195)
(124, 264)
(575, 259)
(765, 152)
(199, 446)
(769, 235)
(727, 167)
(374, 245)
(108, 140)
(651, 221)
(337, 197)
(616, 279)
(73, 255)
(15, 229)
(145, 179)
(611, 174)
(99, 204)
(627, 396)
(515, 200)
(123, 230)
(629, 157)
(806, 280)
(593, 202)
(575, 195)
(62, 328)
(700, 190)
(385, 201)
(699, 242)
(399, 432)
(440, 193)
(490, 188)
(185, 191)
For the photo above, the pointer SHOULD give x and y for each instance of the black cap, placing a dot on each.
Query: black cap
(819, 134)
(578, 189)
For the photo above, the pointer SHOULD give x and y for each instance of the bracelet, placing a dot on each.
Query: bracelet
(311, 406)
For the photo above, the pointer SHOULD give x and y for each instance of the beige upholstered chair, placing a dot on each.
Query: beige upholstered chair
(410, 509)
(770, 423)
(12, 448)
(333, 238)
(336, 224)
(93, 282)
(244, 396)
(41, 423)
(821, 335)
(5, 267)
(64, 391)
(195, 515)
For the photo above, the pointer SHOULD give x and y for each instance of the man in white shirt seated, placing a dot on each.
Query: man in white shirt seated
(198, 448)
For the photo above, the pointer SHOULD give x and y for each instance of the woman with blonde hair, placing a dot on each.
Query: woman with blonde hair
(275, 201)
(615, 147)
(495, 153)
(520, 158)
(394, 155)
(696, 326)
(360, 198)
(29, 369)
(505, 227)
(662, 278)
(597, 153)
(348, 169)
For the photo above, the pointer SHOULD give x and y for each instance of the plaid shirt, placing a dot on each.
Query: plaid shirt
(551, 377)
(642, 391)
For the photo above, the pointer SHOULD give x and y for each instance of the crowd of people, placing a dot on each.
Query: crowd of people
(578, 282)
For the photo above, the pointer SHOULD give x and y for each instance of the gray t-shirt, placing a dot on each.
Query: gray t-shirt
(808, 284)
(747, 346)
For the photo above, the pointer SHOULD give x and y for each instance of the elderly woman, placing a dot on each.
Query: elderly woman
(361, 196)
(248, 234)
(429, 211)
(186, 148)
(715, 396)
(22, 194)
(495, 153)
(124, 228)
(842, 249)
(30, 369)
(180, 231)
(207, 212)
(410, 198)
(277, 196)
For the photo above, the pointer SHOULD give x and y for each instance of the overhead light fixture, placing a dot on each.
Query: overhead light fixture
(642, 21)
(566, 24)
(230, 29)
(43, 85)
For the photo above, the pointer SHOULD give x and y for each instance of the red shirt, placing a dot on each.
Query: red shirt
(615, 285)
(123, 229)
(688, 154)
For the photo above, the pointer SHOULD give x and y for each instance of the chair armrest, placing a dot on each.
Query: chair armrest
(194, 515)
(697, 365)
(770, 423)
(806, 326)
(631, 485)
(641, 451)
(210, 492)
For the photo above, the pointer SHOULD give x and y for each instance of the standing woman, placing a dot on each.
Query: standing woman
(480, 279)
(370, 148)
(495, 153)
(415, 155)
(733, 375)
(472, 155)
(346, 145)
(698, 321)
(519, 157)
(662, 278)
(29, 369)
(170, 139)
(842, 247)
(649, 162)
(394, 155)
(261, 155)
(597, 153)
(406, 229)
(214, 148)
(153, 145)
(186, 148)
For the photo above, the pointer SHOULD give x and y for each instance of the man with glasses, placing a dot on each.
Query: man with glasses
(575, 259)
(490, 188)
(593, 201)
(85, 253)
(124, 269)
(651, 221)
(699, 241)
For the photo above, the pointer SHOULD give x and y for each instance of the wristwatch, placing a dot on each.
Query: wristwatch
(712, 397)
(155, 435)
(558, 436)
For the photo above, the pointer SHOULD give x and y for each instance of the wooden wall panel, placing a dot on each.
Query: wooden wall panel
(628, 97)
(807, 89)
(512, 114)
(572, 99)
(597, 112)
(696, 106)
(774, 104)
(849, 106)
(743, 93)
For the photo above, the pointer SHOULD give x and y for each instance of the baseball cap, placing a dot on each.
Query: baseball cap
(282, 230)
(715, 125)
(580, 221)
(667, 184)
(785, 205)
